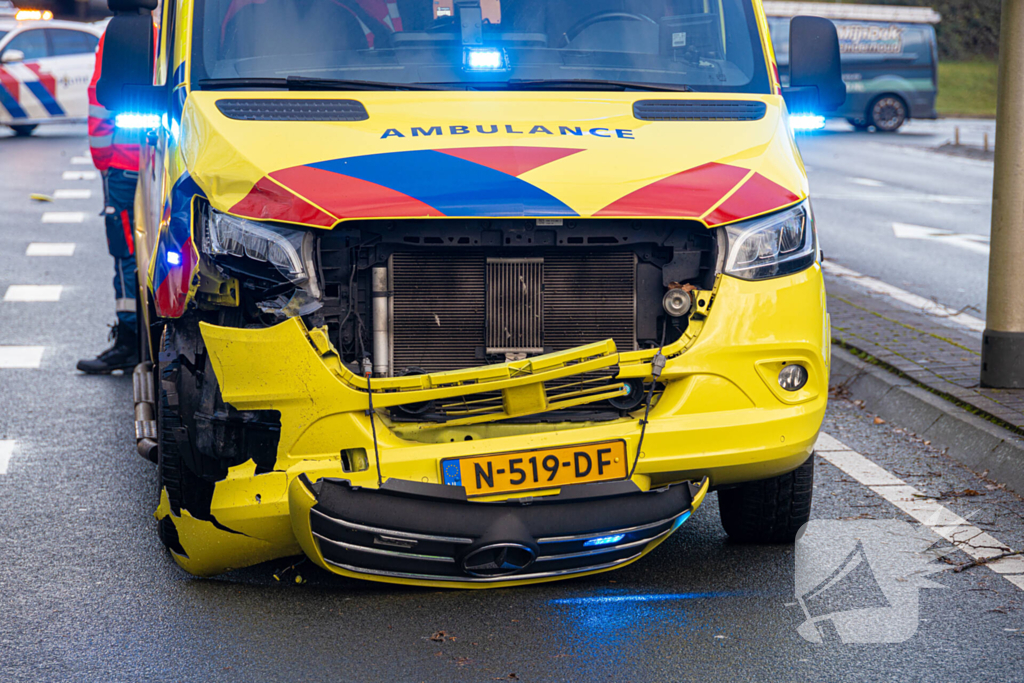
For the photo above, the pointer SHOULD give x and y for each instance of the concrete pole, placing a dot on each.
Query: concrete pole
(1002, 356)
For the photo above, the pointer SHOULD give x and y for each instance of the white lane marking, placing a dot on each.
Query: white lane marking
(33, 293)
(913, 300)
(81, 161)
(905, 197)
(79, 175)
(975, 243)
(72, 194)
(50, 249)
(63, 217)
(867, 182)
(942, 521)
(29, 357)
(6, 453)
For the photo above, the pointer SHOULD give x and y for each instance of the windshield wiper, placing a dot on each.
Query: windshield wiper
(304, 83)
(590, 84)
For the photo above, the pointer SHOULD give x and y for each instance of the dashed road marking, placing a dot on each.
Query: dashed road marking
(72, 194)
(79, 175)
(6, 453)
(942, 521)
(81, 161)
(913, 300)
(24, 357)
(867, 182)
(50, 249)
(63, 217)
(33, 293)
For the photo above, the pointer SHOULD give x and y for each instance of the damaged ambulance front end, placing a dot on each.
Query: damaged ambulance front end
(504, 318)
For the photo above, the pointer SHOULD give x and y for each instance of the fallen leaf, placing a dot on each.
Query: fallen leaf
(439, 637)
(879, 421)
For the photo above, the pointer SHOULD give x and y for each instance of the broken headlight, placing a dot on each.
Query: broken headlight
(772, 246)
(289, 251)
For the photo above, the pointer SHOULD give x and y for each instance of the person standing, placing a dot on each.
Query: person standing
(115, 153)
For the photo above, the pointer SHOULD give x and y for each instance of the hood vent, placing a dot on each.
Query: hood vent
(698, 110)
(293, 110)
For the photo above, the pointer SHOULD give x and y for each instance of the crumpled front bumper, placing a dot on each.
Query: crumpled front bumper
(721, 418)
(430, 535)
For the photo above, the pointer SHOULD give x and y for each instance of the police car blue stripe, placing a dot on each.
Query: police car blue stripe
(8, 102)
(45, 98)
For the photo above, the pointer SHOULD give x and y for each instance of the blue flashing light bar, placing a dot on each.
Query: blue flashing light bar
(485, 59)
(137, 121)
(805, 122)
(604, 540)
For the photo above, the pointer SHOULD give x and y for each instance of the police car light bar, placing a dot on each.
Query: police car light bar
(137, 121)
(485, 59)
(805, 122)
(33, 15)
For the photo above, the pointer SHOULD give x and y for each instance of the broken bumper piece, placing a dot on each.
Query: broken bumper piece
(431, 535)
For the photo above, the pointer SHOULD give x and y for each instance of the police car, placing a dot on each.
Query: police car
(45, 68)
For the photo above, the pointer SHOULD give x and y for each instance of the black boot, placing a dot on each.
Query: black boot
(123, 355)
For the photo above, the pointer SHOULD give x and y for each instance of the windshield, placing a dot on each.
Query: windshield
(703, 45)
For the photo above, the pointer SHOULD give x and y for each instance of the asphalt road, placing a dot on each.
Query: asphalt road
(88, 594)
(862, 184)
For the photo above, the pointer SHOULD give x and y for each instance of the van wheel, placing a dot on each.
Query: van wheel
(888, 113)
(771, 510)
(859, 125)
(23, 131)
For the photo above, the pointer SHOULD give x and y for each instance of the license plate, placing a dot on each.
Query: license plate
(540, 469)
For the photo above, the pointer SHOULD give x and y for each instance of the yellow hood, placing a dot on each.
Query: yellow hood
(476, 154)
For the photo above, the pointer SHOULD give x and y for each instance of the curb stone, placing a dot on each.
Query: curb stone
(974, 442)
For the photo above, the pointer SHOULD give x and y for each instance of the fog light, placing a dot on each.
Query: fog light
(793, 377)
(677, 303)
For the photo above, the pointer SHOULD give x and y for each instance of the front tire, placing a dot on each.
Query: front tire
(888, 113)
(771, 510)
(23, 131)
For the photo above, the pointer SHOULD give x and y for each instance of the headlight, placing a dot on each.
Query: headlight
(290, 251)
(772, 246)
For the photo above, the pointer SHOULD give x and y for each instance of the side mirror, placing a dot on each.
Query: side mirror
(127, 53)
(12, 57)
(815, 73)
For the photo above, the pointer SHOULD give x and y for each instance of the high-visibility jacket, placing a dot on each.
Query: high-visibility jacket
(110, 147)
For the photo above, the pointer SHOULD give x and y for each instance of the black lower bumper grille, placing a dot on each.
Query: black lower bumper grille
(384, 533)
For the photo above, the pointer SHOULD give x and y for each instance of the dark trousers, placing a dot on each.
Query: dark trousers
(119, 212)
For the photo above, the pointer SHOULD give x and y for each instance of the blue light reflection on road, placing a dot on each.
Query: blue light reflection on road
(646, 597)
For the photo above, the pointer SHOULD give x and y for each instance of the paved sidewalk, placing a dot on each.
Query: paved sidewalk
(934, 354)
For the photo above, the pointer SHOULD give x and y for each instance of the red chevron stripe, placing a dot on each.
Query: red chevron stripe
(269, 201)
(514, 161)
(9, 83)
(348, 197)
(758, 195)
(48, 80)
(685, 195)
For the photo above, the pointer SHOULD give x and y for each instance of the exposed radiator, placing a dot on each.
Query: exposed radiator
(452, 311)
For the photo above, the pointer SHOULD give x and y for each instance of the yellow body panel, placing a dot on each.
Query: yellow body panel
(719, 417)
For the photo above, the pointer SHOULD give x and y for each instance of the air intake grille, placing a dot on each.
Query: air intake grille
(698, 110)
(293, 110)
(438, 311)
(450, 311)
(515, 305)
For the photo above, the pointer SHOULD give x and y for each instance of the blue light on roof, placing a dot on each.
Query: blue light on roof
(604, 540)
(485, 59)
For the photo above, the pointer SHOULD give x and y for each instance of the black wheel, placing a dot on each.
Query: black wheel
(23, 131)
(859, 125)
(888, 113)
(168, 458)
(771, 510)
